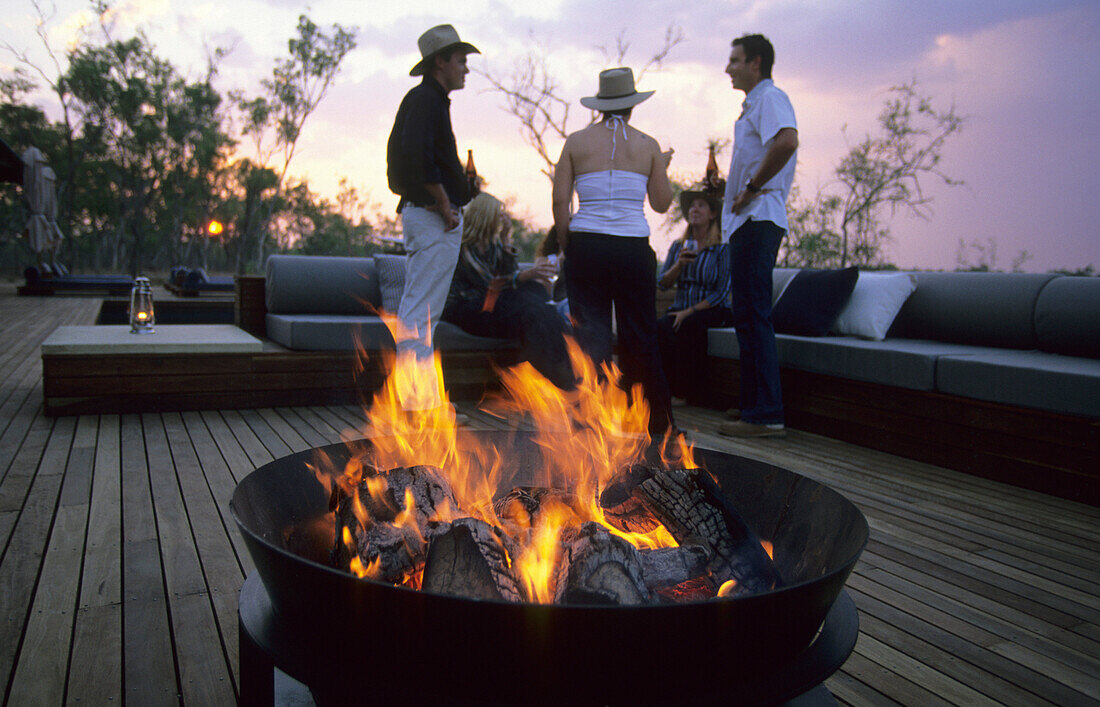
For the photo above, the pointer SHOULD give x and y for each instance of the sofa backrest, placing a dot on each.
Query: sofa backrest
(977, 308)
(320, 284)
(1067, 316)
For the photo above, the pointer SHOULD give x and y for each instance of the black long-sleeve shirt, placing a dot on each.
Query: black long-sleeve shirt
(422, 149)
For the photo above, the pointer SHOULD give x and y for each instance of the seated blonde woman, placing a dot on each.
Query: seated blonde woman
(491, 296)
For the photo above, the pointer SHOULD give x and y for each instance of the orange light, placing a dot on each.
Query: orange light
(215, 227)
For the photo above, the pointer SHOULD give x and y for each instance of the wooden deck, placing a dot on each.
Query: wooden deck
(121, 565)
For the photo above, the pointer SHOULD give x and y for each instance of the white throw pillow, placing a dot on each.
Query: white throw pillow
(875, 302)
(781, 277)
(391, 280)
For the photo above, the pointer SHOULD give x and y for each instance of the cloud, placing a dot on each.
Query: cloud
(1031, 166)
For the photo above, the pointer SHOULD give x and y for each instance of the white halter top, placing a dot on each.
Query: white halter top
(611, 202)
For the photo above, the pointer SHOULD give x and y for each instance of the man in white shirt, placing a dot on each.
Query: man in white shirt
(754, 220)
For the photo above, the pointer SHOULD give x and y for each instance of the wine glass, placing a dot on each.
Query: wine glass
(553, 260)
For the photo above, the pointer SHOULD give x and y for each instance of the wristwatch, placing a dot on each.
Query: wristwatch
(752, 187)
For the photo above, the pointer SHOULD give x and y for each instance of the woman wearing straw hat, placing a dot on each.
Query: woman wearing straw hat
(613, 167)
(698, 266)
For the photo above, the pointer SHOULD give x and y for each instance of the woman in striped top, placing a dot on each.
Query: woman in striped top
(698, 266)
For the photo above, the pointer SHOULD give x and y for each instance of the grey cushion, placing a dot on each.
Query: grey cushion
(1027, 378)
(391, 279)
(320, 332)
(1067, 316)
(316, 284)
(981, 309)
(905, 363)
(327, 332)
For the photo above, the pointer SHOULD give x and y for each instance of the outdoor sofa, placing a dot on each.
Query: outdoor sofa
(993, 373)
(334, 304)
(997, 374)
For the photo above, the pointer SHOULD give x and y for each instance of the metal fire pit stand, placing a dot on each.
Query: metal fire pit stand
(264, 645)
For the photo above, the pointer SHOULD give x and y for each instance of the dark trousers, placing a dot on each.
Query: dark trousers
(753, 249)
(601, 271)
(684, 352)
(523, 314)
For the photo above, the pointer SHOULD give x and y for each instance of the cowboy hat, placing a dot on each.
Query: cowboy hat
(712, 197)
(616, 91)
(436, 40)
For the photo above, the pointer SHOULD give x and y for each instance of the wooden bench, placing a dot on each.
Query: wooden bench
(203, 376)
(1036, 449)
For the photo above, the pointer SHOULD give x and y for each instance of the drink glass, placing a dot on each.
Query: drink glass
(553, 260)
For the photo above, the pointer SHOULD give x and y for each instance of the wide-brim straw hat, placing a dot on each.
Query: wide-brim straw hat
(436, 40)
(616, 91)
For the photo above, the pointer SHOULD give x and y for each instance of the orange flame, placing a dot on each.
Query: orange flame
(587, 436)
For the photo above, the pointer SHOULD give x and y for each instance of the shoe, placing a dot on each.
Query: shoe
(740, 428)
(679, 402)
(733, 414)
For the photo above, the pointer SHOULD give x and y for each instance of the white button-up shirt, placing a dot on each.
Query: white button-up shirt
(765, 112)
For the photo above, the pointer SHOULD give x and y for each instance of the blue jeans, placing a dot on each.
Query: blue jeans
(753, 249)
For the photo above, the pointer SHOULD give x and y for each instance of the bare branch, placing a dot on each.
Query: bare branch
(532, 94)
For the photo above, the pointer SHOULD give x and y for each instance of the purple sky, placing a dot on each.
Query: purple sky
(1024, 73)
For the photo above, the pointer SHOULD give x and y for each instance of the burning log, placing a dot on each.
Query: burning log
(394, 553)
(621, 508)
(389, 520)
(598, 568)
(691, 506)
(472, 560)
(669, 566)
(518, 510)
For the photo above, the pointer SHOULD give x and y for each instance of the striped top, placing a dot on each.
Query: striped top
(708, 278)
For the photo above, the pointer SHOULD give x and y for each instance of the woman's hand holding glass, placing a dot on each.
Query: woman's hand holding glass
(689, 250)
(545, 271)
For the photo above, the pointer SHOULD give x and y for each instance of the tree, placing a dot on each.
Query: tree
(812, 243)
(146, 151)
(157, 139)
(275, 119)
(70, 154)
(844, 223)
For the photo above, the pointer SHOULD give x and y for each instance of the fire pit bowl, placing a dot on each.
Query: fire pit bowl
(393, 643)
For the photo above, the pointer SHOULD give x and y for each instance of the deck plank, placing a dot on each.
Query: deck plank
(41, 673)
(201, 663)
(149, 671)
(23, 557)
(99, 616)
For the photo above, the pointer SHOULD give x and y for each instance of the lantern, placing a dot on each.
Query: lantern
(142, 317)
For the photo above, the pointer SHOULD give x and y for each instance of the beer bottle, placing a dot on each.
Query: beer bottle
(471, 174)
(712, 170)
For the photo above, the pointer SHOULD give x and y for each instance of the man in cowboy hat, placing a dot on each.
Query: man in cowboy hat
(754, 221)
(423, 168)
